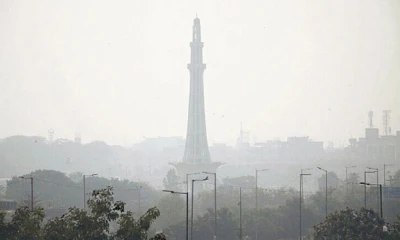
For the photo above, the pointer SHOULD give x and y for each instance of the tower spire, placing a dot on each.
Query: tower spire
(196, 150)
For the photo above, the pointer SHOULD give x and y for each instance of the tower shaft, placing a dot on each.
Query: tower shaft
(196, 150)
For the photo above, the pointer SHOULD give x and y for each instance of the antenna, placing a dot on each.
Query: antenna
(78, 138)
(386, 122)
(51, 135)
(370, 116)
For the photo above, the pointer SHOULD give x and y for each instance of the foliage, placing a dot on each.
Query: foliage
(203, 227)
(173, 209)
(333, 181)
(25, 224)
(79, 224)
(171, 181)
(137, 229)
(54, 189)
(351, 224)
(243, 181)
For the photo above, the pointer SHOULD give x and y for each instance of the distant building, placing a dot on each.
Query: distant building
(296, 149)
(376, 148)
(160, 143)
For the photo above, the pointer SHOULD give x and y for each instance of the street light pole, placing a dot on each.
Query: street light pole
(187, 209)
(301, 196)
(187, 179)
(365, 187)
(191, 219)
(377, 189)
(84, 188)
(240, 214)
(139, 209)
(215, 203)
(326, 191)
(380, 194)
(260, 170)
(31, 178)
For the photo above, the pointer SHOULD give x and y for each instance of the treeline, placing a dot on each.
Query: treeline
(53, 189)
(105, 219)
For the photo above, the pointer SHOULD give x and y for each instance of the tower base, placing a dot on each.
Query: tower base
(183, 168)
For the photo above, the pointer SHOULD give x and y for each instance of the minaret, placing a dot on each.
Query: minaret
(196, 150)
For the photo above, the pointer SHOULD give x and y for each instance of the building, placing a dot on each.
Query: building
(375, 148)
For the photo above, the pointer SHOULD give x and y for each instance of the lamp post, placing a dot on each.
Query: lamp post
(347, 182)
(139, 209)
(240, 214)
(187, 179)
(326, 191)
(365, 187)
(302, 171)
(215, 202)
(84, 188)
(377, 190)
(187, 209)
(31, 178)
(380, 194)
(257, 170)
(191, 217)
(301, 196)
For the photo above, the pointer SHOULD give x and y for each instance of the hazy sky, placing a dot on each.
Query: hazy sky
(116, 70)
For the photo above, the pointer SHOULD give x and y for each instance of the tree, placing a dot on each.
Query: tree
(171, 181)
(227, 226)
(25, 224)
(333, 181)
(79, 224)
(138, 229)
(173, 209)
(351, 224)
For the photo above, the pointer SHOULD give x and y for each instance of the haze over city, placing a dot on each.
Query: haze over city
(116, 72)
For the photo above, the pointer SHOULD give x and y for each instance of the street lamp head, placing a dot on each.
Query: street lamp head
(22, 177)
(169, 191)
(193, 173)
(322, 169)
(305, 174)
(372, 168)
(351, 166)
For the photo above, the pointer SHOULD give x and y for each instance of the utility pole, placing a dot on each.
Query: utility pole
(326, 191)
(257, 200)
(215, 203)
(301, 196)
(84, 188)
(31, 178)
